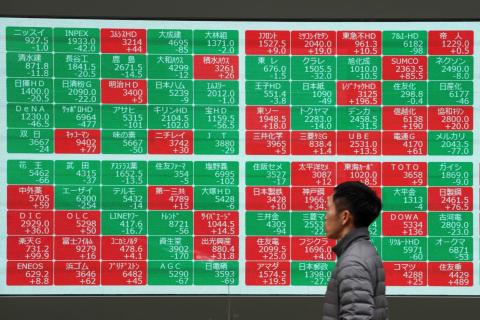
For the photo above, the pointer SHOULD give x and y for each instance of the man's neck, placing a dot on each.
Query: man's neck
(345, 231)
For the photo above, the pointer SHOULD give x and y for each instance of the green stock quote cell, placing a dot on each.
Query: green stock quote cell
(267, 92)
(450, 143)
(453, 224)
(211, 92)
(310, 273)
(375, 227)
(124, 173)
(359, 118)
(216, 273)
(125, 223)
(124, 198)
(313, 93)
(34, 65)
(216, 198)
(78, 40)
(170, 67)
(314, 117)
(450, 249)
(404, 248)
(450, 93)
(77, 116)
(124, 141)
(29, 39)
(404, 42)
(216, 142)
(404, 198)
(29, 90)
(450, 173)
(169, 41)
(170, 248)
(215, 42)
(177, 223)
(170, 117)
(124, 66)
(171, 173)
(124, 117)
(377, 243)
(77, 172)
(77, 90)
(170, 273)
(407, 93)
(450, 68)
(267, 68)
(267, 223)
(175, 92)
(32, 116)
(216, 117)
(77, 66)
(30, 172)
(75, 197)
(359, 68)
(314, 68)
(29, 141)
(224, 173)
(308, 223)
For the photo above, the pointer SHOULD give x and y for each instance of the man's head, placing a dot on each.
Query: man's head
(352, 205)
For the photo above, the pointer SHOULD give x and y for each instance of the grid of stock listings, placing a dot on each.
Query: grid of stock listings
(197, 157)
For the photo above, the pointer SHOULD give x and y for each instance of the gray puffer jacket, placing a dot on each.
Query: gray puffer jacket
(356, 290)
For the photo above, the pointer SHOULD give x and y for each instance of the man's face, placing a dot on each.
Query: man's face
(333, 222)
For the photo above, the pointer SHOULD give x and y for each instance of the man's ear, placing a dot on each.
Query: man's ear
(346, 217)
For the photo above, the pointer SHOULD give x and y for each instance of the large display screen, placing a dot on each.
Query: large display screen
(196, 157)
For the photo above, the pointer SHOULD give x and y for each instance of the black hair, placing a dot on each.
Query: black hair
(362, 202)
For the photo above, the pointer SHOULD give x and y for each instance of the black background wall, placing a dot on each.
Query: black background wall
(235, 307)
(247, 9)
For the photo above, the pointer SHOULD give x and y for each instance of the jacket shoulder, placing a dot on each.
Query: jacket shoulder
(360, 253)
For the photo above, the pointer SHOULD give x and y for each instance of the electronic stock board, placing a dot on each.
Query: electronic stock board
(195, 157)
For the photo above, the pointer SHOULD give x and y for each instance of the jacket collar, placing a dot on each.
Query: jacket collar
(346, 241)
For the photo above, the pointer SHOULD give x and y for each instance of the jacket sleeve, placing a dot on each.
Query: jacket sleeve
(356, 292)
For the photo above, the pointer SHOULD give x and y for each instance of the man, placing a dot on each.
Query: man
(356, 290)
